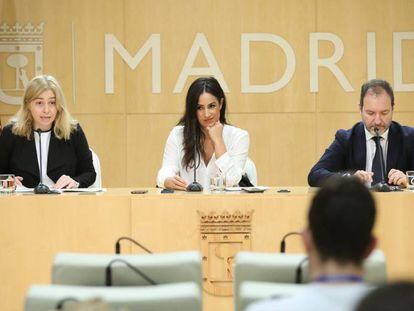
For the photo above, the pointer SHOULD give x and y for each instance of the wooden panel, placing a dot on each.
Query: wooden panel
(351, 20)
(82, 73)
(34, 228)
(281, 145)
(328, 124)
(73, 49)
(394, 222)
(91, 21)
(146, 137)
(174, 223)
(105, 134)
(211, 18)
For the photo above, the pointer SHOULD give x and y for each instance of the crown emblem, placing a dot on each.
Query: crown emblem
(21, 34)
(225, 221)
(222, 235)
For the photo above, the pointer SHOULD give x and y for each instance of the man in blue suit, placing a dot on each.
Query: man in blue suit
(354, 151)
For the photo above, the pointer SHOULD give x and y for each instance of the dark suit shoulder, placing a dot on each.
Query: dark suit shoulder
(76, 132)
(344, 136)
(407, 130)
(7, 136)
(7, 130)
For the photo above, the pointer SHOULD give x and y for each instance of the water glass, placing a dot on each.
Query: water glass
(410, 180)
(7, 183)
(217, 182)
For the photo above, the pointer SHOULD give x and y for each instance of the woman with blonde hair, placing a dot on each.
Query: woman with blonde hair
(65, 154)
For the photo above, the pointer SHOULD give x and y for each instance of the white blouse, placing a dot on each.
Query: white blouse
(45, 153)
(230, 164)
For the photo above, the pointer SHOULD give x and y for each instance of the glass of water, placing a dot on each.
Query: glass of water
(217, 182)
(410, 180)
(7, 183)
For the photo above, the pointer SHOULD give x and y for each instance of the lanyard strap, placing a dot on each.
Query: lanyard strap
(338, 278)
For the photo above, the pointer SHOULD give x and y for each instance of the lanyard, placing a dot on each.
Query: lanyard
(338, 278)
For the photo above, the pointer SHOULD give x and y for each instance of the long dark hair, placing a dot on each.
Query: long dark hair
(193, 136)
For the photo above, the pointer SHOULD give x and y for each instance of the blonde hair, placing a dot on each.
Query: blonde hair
(22, 121)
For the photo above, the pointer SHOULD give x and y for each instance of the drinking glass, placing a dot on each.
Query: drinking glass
(217, 182)
(410, 180)
(7, 183)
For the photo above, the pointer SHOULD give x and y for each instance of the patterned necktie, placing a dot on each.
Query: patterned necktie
(376, 162)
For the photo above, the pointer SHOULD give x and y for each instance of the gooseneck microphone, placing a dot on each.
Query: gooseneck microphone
(298, 274)
(382, 186)
(283, 241)
(41, 188)
(195, 186)
(61, 303)
(118, 245)
(108, 272)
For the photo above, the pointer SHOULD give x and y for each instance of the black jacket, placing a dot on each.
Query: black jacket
(66, 157)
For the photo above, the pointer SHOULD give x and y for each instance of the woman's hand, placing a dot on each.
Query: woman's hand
(67, 182)
(216, 135)
(176, 182)
(215, 132)
(19, 181)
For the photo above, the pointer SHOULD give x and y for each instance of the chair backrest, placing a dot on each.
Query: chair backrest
(89, 269)
(250, 170)
(97, 167)
(167, 297)
(281, 268)
(375, 268)
(255, 291)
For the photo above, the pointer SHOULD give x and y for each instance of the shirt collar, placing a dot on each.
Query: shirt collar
(368, 134)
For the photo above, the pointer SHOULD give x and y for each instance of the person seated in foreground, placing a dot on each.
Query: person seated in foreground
(398, 296)
(337, 239)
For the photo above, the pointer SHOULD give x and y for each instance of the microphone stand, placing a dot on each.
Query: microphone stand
(298, 273)
(41, 188)
(108, 272)
(118, 245)
(195, 186)
(382, 186)
(283, 242)
(60, 305)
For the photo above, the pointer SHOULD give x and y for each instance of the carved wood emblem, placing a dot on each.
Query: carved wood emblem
(222, 235)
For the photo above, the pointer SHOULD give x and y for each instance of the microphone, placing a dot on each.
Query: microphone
(195, 186)
(298, 274)
(61, 303)
(283, 242)
(382, 186)
(118, 245)
(108, 272)
(41, 188)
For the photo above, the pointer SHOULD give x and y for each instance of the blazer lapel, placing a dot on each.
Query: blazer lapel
(394, 145)
(28, 158)
(359, 146)
(55, 158)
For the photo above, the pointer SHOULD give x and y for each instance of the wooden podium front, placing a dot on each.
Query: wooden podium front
(33, 228)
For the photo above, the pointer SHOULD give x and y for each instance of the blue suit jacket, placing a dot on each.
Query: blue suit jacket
(348, 152)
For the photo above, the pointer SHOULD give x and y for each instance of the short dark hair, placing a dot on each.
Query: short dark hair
(398, 296)
(377, 86)
(341, 218)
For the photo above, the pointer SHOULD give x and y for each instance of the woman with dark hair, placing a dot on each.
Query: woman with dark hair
(203, 133)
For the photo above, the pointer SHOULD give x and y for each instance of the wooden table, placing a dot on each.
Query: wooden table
(33, 228)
